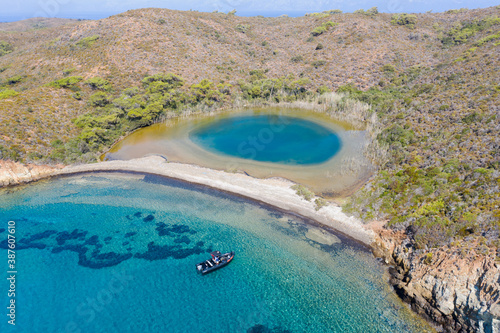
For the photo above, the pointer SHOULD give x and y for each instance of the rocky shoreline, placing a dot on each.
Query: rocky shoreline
(456, 291)
(12, 173)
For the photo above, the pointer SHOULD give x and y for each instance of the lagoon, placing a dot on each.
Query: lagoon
(269, 138)
(306, 147)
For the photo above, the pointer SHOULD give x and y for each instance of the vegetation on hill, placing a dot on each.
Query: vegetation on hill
(35, 23)
(67, 93)
(5, 48)
(323, 28)
(441, 183)
(407, 20)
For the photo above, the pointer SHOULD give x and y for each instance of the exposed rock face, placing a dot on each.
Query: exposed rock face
(458, 291)
(12, 173)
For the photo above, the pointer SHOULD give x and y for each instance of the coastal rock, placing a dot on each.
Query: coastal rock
(459, 292)
(13, 173)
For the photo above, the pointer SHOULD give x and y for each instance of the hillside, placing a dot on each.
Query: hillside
(125, 48)
(35, 23)
(432, 80)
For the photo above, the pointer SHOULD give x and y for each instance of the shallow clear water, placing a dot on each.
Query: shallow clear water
(269, 138)
(117, 253)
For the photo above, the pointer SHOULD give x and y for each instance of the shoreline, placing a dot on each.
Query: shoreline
(274, 192)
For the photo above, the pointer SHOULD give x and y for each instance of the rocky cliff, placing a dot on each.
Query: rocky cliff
(12, 173)
(456, 288)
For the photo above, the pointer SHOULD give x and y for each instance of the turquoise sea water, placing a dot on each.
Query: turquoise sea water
(117, 253)
(269, 138)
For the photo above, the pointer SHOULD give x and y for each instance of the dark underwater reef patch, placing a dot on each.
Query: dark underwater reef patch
(148, 218)
(299, 229)
(171, 230)
(183, 239)
(264, 329)
(172, 242)
(292, 227)
(93, 240)
(41, 235)
(64, 236)
(158, 252)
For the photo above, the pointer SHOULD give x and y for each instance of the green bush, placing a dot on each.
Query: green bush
(428, 258)
(318, 15)
(97, 83)
(397, 134)
(99, 99)
(318, 63)
(171, 81)
(456, 11)
(388, 68)
(77, 95)
(5, 48)
(370, 12)
(205, 92)
(6, 93)
(333, 11)
(472, 118)
(320, 203)
(68, 71)
(87, 41)
(303, 192)
(323, 28)
(93, 136)
(11, 153)
(130, 92)
(297, 58)
(318, 31)
(66, 82)
(487, 39)
(404, 19)
(462, 31)
(323, 90)
(283, 88)
(14, 80)
(242, 28)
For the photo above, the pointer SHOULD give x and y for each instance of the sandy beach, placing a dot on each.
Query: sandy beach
(273, 191)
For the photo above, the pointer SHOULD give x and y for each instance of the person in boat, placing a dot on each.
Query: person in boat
(216, 256)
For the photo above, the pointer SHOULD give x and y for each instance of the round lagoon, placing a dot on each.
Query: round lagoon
(307, 147)
(269, 138)
(117, 253)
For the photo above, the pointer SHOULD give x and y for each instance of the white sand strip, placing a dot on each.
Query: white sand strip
(275, 192)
